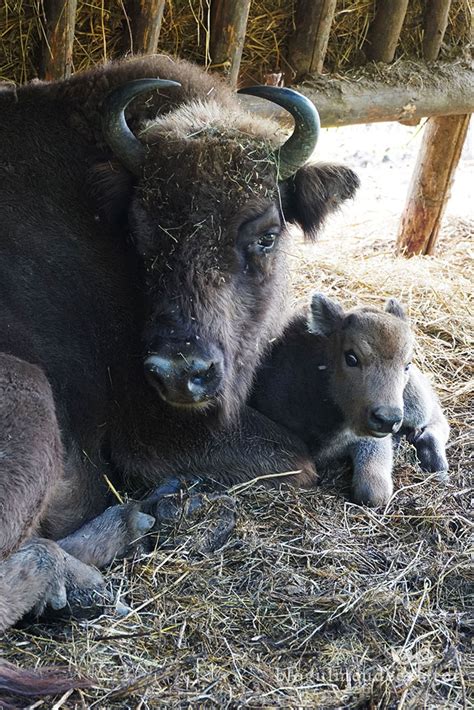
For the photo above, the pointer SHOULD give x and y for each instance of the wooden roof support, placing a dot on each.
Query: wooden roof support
(228, 28)
(439, 154)
(385, 29)
(383, 93)
(428, 193)
(436, 21)
(309, 42)
(145, 19)
(59, 41)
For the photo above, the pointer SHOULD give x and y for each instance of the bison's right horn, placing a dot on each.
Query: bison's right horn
(294, 153)
(120, 139)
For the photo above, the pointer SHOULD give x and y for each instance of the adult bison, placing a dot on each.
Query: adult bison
(140, 278)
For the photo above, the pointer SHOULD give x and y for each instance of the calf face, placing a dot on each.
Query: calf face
(369, 352)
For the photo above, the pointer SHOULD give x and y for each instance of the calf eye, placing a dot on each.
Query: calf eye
(351, 358)
(407, 366)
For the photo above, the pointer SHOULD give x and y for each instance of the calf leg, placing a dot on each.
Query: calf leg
(424, 423)
(372, 461)
(30, 450)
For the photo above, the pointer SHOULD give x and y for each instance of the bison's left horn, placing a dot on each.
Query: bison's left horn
(294, 153)
(120, 139)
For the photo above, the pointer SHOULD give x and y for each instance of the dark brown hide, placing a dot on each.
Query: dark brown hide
(99, 270)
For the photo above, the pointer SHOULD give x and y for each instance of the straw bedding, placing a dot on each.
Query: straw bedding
(312, 601)
(103, 32)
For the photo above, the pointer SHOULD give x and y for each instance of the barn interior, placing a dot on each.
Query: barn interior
(311, 600)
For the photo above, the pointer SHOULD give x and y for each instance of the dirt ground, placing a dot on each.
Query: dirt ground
(314, 601)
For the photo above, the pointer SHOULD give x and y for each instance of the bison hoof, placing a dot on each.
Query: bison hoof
(374, 492)
(430, 452)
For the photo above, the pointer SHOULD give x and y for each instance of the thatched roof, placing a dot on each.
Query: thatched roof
(102, 32)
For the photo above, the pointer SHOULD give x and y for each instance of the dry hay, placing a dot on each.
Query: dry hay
(312, 601)
(103, 32)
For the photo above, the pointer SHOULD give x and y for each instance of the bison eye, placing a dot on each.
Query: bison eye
(266, 242)
(351, 358)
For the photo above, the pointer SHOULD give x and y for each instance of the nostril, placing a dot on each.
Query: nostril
(385, 420)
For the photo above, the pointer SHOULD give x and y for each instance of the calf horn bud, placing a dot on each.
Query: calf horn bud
(118, 136)
(294, 153)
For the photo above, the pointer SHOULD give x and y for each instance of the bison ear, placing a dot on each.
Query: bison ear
(314, 192)
(395, 308)
(324, 315)
(110, 186)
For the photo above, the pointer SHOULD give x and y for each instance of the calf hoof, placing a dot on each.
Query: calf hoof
(372, 492)
(430, 451)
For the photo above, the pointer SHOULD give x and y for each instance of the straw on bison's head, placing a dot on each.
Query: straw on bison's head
(209, 219)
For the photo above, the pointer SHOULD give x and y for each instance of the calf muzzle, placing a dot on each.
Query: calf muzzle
(384, 420)
(185, 377)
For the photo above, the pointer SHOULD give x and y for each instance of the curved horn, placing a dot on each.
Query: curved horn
(294, 153)
(117, 134)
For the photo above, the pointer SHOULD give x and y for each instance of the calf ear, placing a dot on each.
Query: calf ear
(314, 192)
(395, 308)
(324, 315)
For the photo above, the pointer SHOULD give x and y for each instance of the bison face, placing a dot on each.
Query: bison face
(208, 225)
(209, 219)
(369, 352)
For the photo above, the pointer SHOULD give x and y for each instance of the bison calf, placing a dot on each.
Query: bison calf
(343, 382)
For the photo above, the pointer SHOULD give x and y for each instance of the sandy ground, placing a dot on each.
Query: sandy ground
(384, 156)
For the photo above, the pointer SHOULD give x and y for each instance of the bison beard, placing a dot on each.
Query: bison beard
(114, 273)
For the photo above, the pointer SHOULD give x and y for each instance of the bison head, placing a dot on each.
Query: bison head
(369, 353)
(209, 215)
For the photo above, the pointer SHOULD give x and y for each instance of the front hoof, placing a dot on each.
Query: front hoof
(372, 493)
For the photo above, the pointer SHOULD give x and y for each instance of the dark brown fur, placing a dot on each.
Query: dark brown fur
(99, 268)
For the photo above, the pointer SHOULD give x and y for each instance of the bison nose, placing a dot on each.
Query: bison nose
(184, 379)
(385, 420)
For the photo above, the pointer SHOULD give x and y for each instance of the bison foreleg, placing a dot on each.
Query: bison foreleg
(41, 575)
(118, 532)
(424, 423)
(372, 461)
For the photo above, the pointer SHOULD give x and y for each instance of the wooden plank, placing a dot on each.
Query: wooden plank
(384, 31)
(436, 21)
(371, 94)
(430, 184)
(145, 20)
(227, 36)
(309, 42)
(58, 45)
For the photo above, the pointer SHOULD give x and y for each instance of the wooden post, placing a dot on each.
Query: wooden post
(309, 42)
(436, 21)
(145, 20)
(430, 184)
(58, 45)
(228, 27)
(439, 154)
(385, 29)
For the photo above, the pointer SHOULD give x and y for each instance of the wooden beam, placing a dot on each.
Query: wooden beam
(438, 156)
(436, 21)
(145, 20)
(59, 41)
(309, 42)
(374, 94)
(228, 28)
(430, 184)
(384, 31)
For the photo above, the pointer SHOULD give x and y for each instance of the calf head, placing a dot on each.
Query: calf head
(369, 353)
(208, 217)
